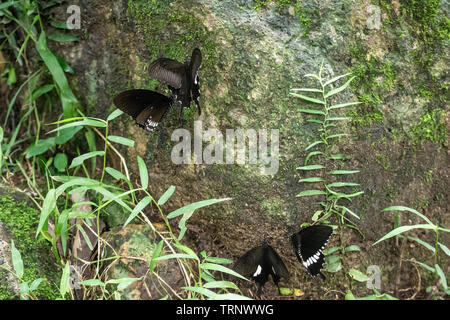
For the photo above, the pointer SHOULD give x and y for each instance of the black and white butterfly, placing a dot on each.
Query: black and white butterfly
(260, 262)
(182, 79)
(308, 245)
(147, 107)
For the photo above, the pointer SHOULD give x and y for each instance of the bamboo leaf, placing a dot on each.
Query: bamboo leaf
(194, 206)
(313, 100)
(121, 140)
(311, 167)
(138, 208)
(337, 90)
(315, 143)
(343, 105)
(143, 173)
(47, 208)
(312, 111)
(307, 90)
(166, 196)
(312, 179)
(308, 193)
(403, 229)
(313, 153)
(337, 172)
(17, 261)
(80, 159)
(335, 79)
(402, 208)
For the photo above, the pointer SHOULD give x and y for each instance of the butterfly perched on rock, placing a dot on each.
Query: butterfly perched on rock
(147, 107)
(308, 246)
(260, 262)
(182, 79)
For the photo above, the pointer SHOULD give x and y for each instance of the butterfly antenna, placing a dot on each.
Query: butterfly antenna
(322, 275)
(259, 291)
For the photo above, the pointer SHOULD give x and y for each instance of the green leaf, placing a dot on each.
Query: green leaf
(342, 184)
(358, 275)
(441, 275)
(425, 244)
(68, 99)
(176, 256)
(402, 229)
(343, 105)
(311, 167)
(218, 260)
(220, 268)
(444, 248)
(59, 36)
(80, 159)
(60, 162)
(311, 111)
(35, 284)
(308, 193)
(166, 196)
(121, 140)
(312, 179)
(341, 88)
(307, 90)
(220, 284)
(64, 285)
(313, 100)
(123, 283)
(40, 147)
(402, 208)
(351, 248)
(194, 206)
(343, 171)
(48, 206)
(84, 122)
(315, 143)
(339, 157)
(90, 138)
(139, 207)
(314, 121)
(143, 173)
(17, 261)
(423, 265)
(65, 135)
(312, 153)
(203, 291)
(116, 113)
(335, 79)
(116, 174)
(156, 254)
(42, 90)
(349, 295)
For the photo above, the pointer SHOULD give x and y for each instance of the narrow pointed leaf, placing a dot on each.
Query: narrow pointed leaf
(313, 100)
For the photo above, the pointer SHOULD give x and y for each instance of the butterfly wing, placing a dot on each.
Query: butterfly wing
(168, 71)
(196, 61)
(278, 266)
(308, 245)
(247, 265)
(146, 107)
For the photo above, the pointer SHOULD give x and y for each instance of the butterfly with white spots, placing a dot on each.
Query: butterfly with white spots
(309, 244)
(260, 262)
